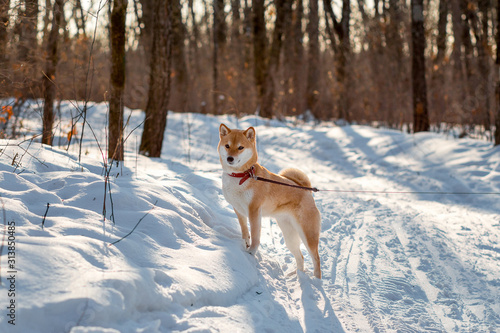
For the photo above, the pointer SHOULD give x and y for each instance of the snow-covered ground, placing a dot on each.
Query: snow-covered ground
(391, 262)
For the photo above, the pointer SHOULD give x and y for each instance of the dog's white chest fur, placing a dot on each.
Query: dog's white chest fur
(239, 196)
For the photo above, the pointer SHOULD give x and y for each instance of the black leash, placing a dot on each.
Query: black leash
(250, 173)
(314, 189)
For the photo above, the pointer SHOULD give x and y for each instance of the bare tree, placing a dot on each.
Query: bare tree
(420, 110)
(294, 50)
(441, 37)
(259, 45)
(79, 18)
(146, 24)
(460, 91)
(483, 89)
(46, 21)
(4, 22)
(179, 87)
(312, 89)
(194, 39)
(267, 103)
(235, 20)
(395, 62)
(218, 51)
(27, 29)
(159, 81)
(342, 50)
(240, 82)
(49, 77)
(497, 118)
(439, 103)
(115, 140)
(268, 55)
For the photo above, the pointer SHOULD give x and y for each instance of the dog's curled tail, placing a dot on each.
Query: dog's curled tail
(296, 176)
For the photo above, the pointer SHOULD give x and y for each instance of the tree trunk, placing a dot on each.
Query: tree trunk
(312, 90)
(4, 21)
(267, 104)
(28, 31)
(27, 48)
(483, 91)
(79, 18)
(342, 53)
(46, 22)
(420, 111)
(238, 55)
(159, 82)
(218, 51)
(344, 79)
(146, 38)
(459, 92)
(259, 45)
(441, 37)
(468, 106)
(295, 89)
(115, 140)
(497, 118)
(246, 85)
(178, 98)
(439, 104)
(396, 76)
(456, 17)
(48, 80)
(236, 20)
(193, 41)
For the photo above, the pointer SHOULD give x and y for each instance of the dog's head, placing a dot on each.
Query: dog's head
(237, 149)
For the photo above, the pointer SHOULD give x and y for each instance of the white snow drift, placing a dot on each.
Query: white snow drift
(401, 262)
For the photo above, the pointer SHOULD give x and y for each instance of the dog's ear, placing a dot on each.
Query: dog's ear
(223, 130)
(250, 133)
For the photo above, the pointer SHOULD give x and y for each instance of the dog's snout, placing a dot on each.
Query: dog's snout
(230, 159)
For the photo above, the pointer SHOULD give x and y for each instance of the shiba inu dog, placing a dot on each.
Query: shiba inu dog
(294, 209)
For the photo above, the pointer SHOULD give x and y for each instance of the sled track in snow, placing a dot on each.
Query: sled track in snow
(384, 267)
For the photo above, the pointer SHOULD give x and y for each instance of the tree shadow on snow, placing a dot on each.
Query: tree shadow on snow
(423, 178)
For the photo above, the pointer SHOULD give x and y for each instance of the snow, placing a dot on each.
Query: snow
(401, 262)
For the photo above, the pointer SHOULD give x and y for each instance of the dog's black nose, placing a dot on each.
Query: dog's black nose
(230, 159)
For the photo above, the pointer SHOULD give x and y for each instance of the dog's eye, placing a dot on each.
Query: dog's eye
(241, 148)
(227, 146)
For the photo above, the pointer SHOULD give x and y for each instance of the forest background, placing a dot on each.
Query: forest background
(413, 65)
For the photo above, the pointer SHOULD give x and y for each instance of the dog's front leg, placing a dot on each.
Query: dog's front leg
(244, 228)
(255, 226)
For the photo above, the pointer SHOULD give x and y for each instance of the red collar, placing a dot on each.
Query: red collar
(250, 173)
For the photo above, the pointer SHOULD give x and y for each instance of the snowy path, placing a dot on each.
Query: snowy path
(396, 262)
(390, 262)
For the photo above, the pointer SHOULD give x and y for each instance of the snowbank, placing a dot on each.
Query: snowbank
(407, 262)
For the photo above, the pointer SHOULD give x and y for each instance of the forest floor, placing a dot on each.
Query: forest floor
(391, 262)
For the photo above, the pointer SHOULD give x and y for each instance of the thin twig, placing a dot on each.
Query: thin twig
(104, 199)
(107, 172)
(27, 152)
(133, 130)
(135, 225)
(107, 188)
(112, 216)
(45, 215)
(84, 111)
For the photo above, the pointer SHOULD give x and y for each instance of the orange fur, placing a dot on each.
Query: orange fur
(294, 209)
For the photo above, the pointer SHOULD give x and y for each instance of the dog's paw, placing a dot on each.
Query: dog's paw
(253, 249)
(247, 243)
